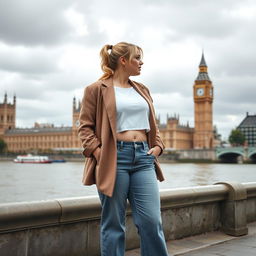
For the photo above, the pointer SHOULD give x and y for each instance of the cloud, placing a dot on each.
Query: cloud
(27, 61)
(49, 51)
(28, 22)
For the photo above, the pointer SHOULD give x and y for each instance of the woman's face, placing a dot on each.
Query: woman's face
(133, 67)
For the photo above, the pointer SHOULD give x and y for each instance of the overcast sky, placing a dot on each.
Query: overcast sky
(49, 52)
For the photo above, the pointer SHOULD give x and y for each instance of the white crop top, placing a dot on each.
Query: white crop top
(132, 110)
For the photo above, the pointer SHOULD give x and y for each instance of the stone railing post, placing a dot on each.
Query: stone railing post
(233, 210)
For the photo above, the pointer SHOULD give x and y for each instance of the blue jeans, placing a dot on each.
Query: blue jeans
(136, 181)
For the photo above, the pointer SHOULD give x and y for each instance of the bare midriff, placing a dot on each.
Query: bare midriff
(132, 135)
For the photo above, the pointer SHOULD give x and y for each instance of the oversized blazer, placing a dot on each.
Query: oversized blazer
(98, 129)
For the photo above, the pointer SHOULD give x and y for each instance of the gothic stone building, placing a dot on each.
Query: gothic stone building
(42, 137)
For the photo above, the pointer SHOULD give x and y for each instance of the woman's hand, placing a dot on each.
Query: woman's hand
(96, 154)
(155, 151)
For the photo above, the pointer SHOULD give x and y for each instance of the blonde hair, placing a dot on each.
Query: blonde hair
(109, 60)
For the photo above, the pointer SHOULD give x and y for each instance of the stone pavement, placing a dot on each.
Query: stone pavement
(245, 246)
(212, 244)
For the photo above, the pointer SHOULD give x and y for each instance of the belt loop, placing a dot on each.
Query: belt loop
(144, 146)
(121, 146)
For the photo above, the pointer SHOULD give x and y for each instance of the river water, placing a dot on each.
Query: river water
(32, 182)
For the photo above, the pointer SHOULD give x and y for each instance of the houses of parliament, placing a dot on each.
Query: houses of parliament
(46, 137)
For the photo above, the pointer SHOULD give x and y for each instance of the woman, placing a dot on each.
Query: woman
(121, 143)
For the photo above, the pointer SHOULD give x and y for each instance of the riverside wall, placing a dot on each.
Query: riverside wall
(194, 154)
(70, 226)
(181, 154)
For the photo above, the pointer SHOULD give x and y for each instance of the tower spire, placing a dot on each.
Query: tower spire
(203, 72)
(202, 62)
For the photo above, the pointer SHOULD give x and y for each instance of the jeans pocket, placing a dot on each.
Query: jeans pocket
(152, 156)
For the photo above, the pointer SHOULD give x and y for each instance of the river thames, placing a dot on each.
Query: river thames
(33, 182)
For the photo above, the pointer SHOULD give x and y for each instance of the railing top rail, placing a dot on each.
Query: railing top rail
(22, 215)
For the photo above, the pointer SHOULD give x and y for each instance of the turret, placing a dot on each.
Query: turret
(5, 98)
(79, 105)
(74, 103)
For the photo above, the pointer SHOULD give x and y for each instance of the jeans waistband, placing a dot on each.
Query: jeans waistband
(131, 142)
(121, 144)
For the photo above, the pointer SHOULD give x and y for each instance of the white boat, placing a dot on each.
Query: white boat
(30, 159)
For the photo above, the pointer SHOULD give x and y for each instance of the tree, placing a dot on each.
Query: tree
(236, 138)
(3, 146)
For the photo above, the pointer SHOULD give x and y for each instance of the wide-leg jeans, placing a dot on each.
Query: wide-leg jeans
(136, 181)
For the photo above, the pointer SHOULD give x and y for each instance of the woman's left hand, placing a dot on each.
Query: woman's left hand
(155, 151)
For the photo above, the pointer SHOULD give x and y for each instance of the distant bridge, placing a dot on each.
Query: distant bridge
(236, 154)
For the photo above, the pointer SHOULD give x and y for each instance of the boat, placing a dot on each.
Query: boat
(58, 160)
(30, 159)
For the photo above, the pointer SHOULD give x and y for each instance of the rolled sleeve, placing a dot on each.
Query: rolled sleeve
(87, 119)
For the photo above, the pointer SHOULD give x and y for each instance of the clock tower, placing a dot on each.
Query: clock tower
(75, 114)
(203, 99)
(76, 143)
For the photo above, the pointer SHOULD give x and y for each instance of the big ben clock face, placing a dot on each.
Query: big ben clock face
(200, 92)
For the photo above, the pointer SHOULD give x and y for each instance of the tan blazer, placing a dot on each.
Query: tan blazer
(98, 129)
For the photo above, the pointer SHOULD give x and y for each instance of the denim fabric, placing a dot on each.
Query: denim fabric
(136, 181)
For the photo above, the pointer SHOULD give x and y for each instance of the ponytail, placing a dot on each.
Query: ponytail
(105, 62)
(110, 55)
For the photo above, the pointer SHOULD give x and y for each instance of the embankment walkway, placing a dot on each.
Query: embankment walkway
(212, 244)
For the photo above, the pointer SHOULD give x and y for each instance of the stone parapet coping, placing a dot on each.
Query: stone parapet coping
(24, 215)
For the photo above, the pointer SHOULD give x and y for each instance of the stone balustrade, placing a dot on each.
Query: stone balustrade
(70, 226)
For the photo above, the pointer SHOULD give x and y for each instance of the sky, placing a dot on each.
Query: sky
(49, 52)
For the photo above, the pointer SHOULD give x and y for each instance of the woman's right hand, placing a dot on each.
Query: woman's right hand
(96, 154)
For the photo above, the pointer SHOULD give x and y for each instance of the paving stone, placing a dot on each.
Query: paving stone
(240, 246)
(212, 244)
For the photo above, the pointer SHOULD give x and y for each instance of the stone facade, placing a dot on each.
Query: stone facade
(175, 135)
(42, 137)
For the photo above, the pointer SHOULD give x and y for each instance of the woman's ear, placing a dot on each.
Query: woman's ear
(122, 60)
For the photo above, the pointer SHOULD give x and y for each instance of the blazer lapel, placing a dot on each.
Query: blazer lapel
(144, 94)
(110, 103)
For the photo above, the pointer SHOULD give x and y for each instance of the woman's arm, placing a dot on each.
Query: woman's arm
(87, 119)
(159, 143)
